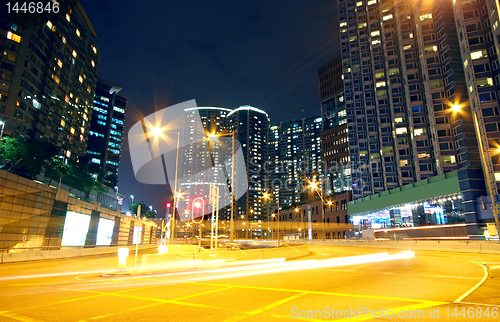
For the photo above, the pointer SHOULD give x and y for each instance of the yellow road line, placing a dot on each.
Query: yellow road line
(265, 308)
(315, 292)
(203, 293)
(18, 317)
(122, 312)
(58, 302)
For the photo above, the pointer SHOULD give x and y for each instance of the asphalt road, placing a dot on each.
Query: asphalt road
(428, 286)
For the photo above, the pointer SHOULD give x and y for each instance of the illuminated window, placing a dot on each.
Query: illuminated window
(372, 2)
(359, 3)
(68, 154)
(497, 176)
(13, 37)
(375, 42)
(401, 130)
(394, 71)
(380, 84)
(353, 38)
(55, 78)
(478, 54)
(380, 75)
(68, 18)
(92, 63)
(72, 130)
(59, 63)
(419, 132)
(63, 123)
(407, 47)
(51, 26)
(423, 155)
(362, 25)
(431, 49)
(74, 53)
(488, 81)
(448, 159)
(80, 78)
(94, 49)
(78, 33)
(375, 33)
(343, 24)
(427, 16)
(385, 18)
(381, 92)
(398, 120)
(95, 160)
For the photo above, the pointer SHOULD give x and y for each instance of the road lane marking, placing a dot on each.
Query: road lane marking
(317, 292)
(124, 311)
(202, 293)
(19, 317)
(475, 287)
(58, 302)
(265, 308)
(161, 301)
(480, 304)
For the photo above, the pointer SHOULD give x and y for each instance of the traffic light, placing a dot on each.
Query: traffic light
(198, 210)
(168, 204)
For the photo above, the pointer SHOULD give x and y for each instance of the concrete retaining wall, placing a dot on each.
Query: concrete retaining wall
(475, 247)
(62, 253)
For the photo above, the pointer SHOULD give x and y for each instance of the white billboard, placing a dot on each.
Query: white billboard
(105, 232)
(76, 227)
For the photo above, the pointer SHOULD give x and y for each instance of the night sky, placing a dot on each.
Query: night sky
(220, 53)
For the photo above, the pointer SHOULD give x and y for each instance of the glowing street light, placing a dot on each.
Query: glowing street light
(456, 108)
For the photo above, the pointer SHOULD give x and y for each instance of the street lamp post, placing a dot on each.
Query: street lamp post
(457, 108)
(314, 185)
(211, 137)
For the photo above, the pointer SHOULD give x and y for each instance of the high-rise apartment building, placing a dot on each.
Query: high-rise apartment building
(49, 73)
(250, 126)
(200, 155)
(106, 131)
(207, 159)
(294, 149)
(334, 137)
(413, 72)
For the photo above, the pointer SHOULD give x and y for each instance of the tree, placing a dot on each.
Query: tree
(150, 214)
(55, 169)
(133, 208)
(26, 158)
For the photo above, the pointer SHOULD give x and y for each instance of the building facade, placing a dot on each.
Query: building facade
(201, 157)
(294, 149)
(250, 126)
(420, 82)
(106, 131)
(49, 73)
(334, 138)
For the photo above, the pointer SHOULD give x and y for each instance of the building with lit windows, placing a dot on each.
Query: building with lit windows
(334, 138)
(294, 149)
(250, 126)
(199, 155)
(48, 76)
(416, 75)
(106, 131)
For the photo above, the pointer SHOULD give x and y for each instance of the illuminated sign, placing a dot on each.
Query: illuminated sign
(104, 232)
(137, 235)
(75, 231)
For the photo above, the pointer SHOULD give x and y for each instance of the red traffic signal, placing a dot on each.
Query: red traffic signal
(168, 205)
(198, 210)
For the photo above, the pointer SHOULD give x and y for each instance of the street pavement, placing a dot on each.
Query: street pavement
(320, 287)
